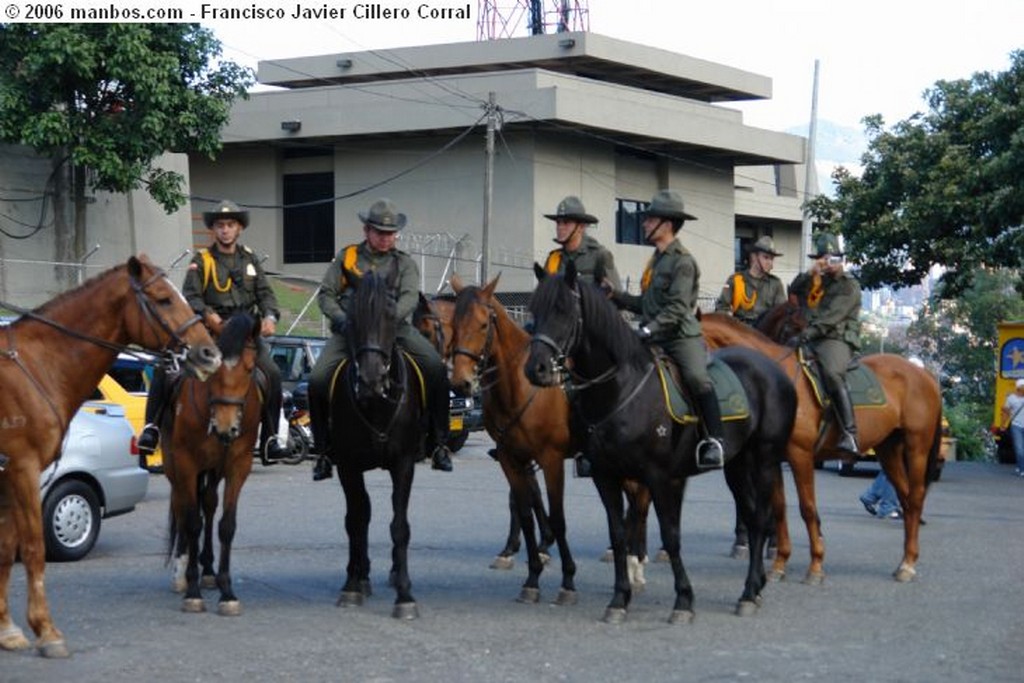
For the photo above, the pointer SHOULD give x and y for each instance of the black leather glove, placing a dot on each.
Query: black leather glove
(644, 333)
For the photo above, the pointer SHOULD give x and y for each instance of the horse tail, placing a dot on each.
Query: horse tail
(933, 453)
(172, 535)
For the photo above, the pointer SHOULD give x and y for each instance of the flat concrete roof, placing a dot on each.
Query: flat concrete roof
(585, 54)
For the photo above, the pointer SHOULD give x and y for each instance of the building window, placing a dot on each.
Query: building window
(308, 228)
(627, 221)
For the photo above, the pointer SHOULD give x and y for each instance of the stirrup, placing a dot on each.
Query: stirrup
(149, 439)
(710, 453)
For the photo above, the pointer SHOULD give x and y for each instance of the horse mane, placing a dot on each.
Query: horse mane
(729, 329)
(62, 298)
(370, 304)
(463, 300)
(235, 335)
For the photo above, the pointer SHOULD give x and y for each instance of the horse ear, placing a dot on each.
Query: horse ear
(697, 312)
(539, 271)
(570, 274)
(488, 291)
(134, 267)
(257, 327)
(456, 282)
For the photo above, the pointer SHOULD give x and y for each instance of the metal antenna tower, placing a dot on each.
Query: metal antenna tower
(506, 18)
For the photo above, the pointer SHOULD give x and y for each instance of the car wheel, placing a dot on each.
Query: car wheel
(457, 440)
(71, 521)
(845, 469)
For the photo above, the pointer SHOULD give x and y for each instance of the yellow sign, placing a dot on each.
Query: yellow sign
(1009, 363)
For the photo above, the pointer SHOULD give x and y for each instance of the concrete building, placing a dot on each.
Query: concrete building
(578, 113)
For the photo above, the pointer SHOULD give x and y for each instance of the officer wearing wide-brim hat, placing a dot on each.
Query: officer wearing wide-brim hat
(223, 280)
(667, 304)
(592, 260)
(831, 298)
(381, 225)
(751, 292)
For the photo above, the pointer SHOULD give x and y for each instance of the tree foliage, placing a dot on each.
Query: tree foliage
(113, 97)
(944, 187)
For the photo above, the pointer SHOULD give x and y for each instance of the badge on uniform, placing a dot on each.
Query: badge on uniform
(250, 270)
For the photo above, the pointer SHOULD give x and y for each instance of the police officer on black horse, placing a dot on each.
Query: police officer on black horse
(224, 279)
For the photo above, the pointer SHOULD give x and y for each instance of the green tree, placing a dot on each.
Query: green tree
(944, 187)
(105, 100)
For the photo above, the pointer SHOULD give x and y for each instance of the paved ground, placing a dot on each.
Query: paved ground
(961, 621)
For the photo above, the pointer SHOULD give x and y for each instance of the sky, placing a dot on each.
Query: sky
(875, 56)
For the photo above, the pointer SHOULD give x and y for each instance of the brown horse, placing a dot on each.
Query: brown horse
(53, 357)
(530, 425)
(433, 318)
(209, 437)
(905, 434)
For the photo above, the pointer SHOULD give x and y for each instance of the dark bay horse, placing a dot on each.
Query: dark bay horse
(632, 436)
(433, 318)
(906, 434)
(376, 408)
(210, 436)
(53, 357)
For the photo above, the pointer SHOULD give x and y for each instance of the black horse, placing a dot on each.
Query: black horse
(630, 435)
(376, 421)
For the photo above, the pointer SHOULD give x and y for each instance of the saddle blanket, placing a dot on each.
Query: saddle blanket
(732, 400)
(865, 389)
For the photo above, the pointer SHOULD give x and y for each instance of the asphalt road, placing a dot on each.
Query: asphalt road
(960, 621)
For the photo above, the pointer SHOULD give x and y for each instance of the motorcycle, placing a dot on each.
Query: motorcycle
(295, 410)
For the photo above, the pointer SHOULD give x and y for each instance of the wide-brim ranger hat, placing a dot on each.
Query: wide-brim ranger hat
(764, 245)
(226, 209)
(384, 216)
(825, 244)
(667, 204)
(571, 209)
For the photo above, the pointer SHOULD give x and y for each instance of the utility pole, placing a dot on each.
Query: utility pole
(492, 119)
(810, 172)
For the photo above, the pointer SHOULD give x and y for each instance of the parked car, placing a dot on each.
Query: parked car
(296, 356)
(127, 384)
(96, 476)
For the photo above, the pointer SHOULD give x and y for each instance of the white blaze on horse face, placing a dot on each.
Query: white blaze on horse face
(230, 363)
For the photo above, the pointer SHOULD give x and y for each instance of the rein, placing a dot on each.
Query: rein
(380, 435)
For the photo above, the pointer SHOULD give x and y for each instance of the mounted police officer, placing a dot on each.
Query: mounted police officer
(224, 279)
(667, 305)
(749, 293)
(591, 259)
(380, 226)
(831, 296)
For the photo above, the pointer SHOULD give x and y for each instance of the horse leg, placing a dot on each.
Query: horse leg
(668, 503)
(192, 601)
(28, 520)
(505, 558)
(750, 477)
(547, 533)
(517, 477)
(238, 470)
(741, 544)
(401, 487)
(610, 490)
(783, 549)
(11, 637)
(909, 477)
(554, 480)
(357, 525)
(639, 499)
(209, 495)
(802, 467)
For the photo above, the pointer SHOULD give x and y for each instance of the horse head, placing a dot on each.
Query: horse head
(782, 322)
(372, 331)
(164, 320)
(557, 317)
(229, 387)
(473, 330)
(433, 319)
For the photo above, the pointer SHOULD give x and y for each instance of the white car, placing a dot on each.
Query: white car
(96, 476)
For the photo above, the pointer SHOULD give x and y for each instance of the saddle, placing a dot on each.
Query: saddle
(732, 400)
(338, 373)
(865, 389)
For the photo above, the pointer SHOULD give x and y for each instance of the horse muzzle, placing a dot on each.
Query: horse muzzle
(203, 361)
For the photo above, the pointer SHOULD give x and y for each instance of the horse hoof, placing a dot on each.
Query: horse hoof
(608, 556)
(746, 608)
(13, 638)
(776, 575)
(814, 579)
(681, 616)
(366, 588)
(55, 649)
(529, 596)
(565, 598)
(638, 586)
(193, 605)
(503, 562)
(545, 558)
(904, 574)
(740, 552)
(614, 615)
(208, 581)
(179, 585)
(661, 556)
(406, 610)
(229, 608)
(350, 599)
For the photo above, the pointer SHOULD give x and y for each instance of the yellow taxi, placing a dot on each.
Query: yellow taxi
(127, 384)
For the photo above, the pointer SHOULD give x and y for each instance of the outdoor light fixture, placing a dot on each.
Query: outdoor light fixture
(567, 43)
(344, 63)
(291, 126)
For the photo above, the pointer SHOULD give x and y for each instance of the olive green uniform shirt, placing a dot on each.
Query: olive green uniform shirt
(763, 292)
(236, 283)
(336, 293)
(837, 316)
(589, 258)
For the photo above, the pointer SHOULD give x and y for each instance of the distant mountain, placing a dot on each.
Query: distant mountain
(835, 145)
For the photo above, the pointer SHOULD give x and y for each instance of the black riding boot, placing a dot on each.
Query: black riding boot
(440, 456)
(270, 446)
(149, 437)
(847, 423)
(321, 437)
(711, 451)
